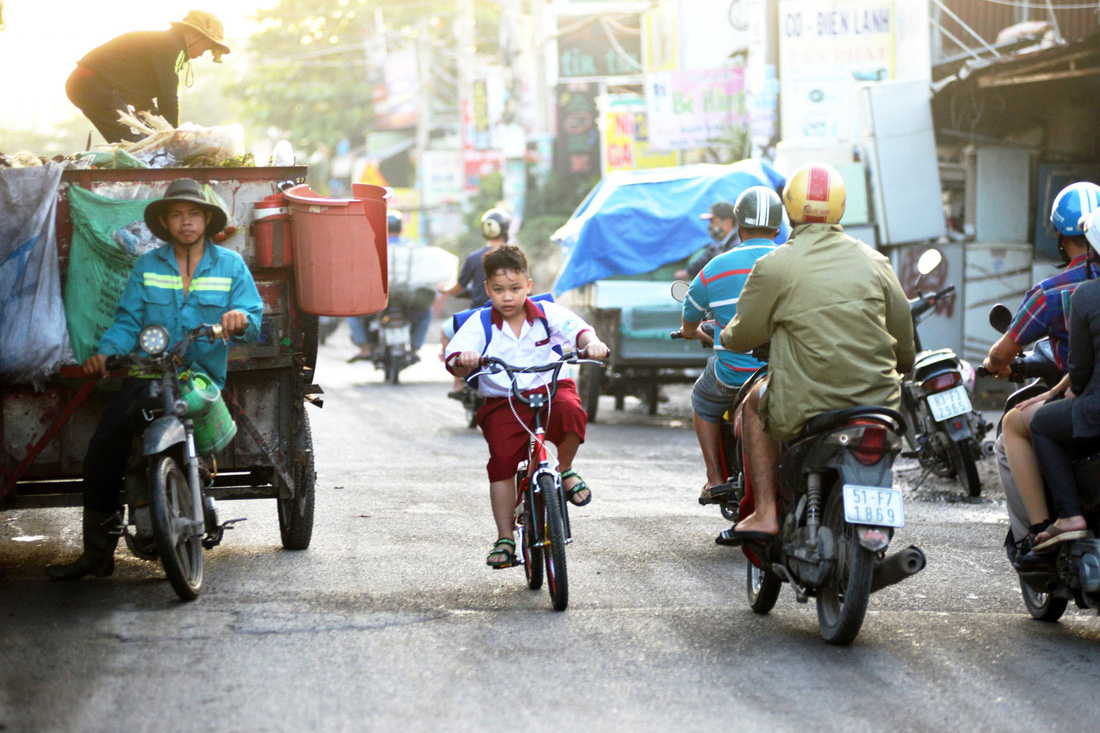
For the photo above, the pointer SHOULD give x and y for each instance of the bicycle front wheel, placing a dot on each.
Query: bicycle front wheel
(532, 553)
(557, 579)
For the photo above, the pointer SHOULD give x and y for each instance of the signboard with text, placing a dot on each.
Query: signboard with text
(694, 109)
(827, 48)
(626, 144)
(577, 144)
(599, 46)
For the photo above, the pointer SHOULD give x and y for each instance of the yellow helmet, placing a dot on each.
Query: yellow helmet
(814, 194)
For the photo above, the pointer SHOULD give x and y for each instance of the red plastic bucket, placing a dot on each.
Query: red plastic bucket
(340, 265)
(271, 231)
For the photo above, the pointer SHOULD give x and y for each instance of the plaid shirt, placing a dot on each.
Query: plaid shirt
(1045, 310)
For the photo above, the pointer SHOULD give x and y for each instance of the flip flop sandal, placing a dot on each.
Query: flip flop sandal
(715, 494)
(1073, 534)
(582, 486)
(506, 547)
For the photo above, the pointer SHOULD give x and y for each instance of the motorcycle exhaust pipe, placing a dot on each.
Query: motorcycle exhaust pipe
(898, 567)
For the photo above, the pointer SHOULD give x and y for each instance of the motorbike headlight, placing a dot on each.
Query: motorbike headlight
(153, 340)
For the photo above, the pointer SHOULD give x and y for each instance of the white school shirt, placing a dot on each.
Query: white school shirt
(533, 346)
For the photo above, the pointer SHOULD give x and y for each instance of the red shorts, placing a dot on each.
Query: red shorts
(508, 439)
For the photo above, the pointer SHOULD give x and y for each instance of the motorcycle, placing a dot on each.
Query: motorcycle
(168, 513)
(390, 332)
(1075, 572)
(947, 432)
(838, 512)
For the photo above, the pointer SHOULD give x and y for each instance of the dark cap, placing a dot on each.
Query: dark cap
(720, 210)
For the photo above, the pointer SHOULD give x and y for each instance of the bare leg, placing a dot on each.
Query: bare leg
(1016, 434)
(502, 494)
(567, 451)
(710, 441)
(764, 452)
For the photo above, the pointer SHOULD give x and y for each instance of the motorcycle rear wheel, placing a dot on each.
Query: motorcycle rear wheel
(1043, 606)
(178, 543)
(842, 602)
(962, 457)
(763, 588)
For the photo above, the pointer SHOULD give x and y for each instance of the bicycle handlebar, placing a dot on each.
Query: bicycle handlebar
(573, 357)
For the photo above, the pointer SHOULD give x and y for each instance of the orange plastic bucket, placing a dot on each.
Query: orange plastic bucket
(340, 266)
(272, 233)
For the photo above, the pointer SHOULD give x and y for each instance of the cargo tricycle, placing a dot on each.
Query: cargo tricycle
(44, 434)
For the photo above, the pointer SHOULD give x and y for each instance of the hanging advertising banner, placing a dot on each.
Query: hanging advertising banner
(694, 109)
(827, 48)
(659, 38)
(599, 46)
(577, 145)
(399, 106)
(625, 135)
(480, 163)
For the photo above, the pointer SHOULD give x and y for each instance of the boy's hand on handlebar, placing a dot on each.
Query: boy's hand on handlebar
(234, 322)
(595, 350)
(96, 366)
(469, 360)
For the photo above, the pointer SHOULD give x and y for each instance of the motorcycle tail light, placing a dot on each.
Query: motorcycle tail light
(941, 382)
(868, 442)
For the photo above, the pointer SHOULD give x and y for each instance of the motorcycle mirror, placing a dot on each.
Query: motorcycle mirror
(1000, 317)
(680, 289)
(929, 261)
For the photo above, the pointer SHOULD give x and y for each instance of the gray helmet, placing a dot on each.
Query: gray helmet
(495, 224)
(394, 221)
(758, 207)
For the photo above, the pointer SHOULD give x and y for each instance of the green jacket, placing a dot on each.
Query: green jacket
(838, 322)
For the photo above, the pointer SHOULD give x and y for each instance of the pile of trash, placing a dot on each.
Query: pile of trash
(23, 159)
(187, 146)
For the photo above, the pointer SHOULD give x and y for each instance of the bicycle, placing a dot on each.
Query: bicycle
(542, 516)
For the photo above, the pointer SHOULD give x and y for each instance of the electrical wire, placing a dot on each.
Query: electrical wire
(1045, 6)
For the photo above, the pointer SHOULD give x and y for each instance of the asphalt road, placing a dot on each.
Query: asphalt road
(392, 621)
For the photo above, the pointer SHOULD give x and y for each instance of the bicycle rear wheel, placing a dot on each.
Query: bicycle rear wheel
(549, 497)
(532, 553)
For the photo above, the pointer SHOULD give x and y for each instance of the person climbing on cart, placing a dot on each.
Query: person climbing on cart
(181, 285)
(522, 332)
(137, 68)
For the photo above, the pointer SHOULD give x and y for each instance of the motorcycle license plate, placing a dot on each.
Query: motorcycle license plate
(948, 404)
(396, 336)
(873, 505)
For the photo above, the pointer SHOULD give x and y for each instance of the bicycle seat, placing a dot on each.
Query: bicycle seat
(838, 418)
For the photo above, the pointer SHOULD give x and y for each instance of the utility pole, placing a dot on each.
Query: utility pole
(424, 124)
(464, 59)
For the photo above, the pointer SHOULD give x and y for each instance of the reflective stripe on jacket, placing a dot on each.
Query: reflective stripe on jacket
(154, 295)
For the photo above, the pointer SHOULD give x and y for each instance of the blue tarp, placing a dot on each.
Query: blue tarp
(635, 221)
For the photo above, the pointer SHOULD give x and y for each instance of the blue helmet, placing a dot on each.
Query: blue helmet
(1072, 203)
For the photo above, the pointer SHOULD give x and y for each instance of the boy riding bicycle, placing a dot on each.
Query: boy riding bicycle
(522, 332)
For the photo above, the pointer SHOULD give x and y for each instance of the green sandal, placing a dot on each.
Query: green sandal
(582, 486)
(506, 547)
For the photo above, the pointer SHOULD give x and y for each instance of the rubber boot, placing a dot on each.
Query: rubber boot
(98, 558)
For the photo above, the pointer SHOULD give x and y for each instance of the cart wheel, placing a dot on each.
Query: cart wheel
(591, 384)
(296, 514)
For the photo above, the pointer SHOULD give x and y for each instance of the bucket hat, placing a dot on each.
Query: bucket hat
(208, 25)
(189, 191)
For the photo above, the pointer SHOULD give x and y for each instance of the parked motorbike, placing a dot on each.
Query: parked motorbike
(947, 432)
(838, 511)
(1074, 573)
(169, 515)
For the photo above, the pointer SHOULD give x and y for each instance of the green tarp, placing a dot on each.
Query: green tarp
(98, 267)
